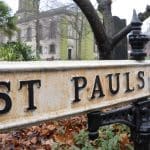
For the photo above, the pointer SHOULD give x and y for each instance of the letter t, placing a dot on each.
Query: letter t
(30, 92)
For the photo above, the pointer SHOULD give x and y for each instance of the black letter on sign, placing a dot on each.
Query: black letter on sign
(30, 91)
(141, 77)
(78, 86)
(97, 88)
(6, 98)
(117, 83)
(128, 89)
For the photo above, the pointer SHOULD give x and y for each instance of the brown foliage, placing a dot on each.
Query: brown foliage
(44, 135)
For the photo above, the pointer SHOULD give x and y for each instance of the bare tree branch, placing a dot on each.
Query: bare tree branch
(143, 16)
(103, 42)
(120, 35)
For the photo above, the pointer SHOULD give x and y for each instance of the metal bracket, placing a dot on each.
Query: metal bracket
(136, 116)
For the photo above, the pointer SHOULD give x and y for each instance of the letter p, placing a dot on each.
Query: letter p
(79, 84)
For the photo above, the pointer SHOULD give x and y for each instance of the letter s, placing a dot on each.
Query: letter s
(6, 98)
(141, 78)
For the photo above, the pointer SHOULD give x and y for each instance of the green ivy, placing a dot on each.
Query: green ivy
(109, 138)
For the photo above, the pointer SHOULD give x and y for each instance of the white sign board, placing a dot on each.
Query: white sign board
(32, 92)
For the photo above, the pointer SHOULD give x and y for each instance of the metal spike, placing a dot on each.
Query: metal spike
(135, 19)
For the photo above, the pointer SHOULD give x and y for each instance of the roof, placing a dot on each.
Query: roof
(45, 14)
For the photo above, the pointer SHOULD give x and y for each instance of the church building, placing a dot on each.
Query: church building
(54, 33)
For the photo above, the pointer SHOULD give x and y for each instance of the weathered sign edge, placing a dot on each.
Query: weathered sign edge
(67, 65)
(46, 117)
(59, 66)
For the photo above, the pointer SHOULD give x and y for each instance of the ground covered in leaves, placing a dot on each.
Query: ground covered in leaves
(67, 134)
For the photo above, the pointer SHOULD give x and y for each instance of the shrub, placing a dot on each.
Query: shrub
(112, 137)
(15, 51)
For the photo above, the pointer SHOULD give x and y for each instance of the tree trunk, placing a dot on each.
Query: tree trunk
(37, 38)
(104, 6)
(36, 4)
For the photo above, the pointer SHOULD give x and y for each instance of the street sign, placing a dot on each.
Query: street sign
(32, 92)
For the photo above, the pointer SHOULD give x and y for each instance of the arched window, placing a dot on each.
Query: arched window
(69, 53)
(29, 34)
(53, 30)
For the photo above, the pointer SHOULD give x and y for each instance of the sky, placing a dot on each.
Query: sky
(121, 8)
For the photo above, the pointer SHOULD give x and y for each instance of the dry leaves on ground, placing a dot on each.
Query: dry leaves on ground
(44, 135)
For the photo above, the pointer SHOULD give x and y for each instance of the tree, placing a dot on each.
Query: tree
(112, 25)
(105, 42)
(104, 7)
(7, 22)
(74, 25)
(36, 4)
(145, 14)
(79, 28)
(15, 51)
(37, 25)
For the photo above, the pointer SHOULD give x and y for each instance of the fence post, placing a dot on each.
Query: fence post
(140, 134)
(137, 40)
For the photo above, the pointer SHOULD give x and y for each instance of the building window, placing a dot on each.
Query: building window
(69, 54)
(41, 50)
(19, 35)
(52, 49)
(70, 32)
(95, 46)
(53, 30)
(29, 34)
(40, 32)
